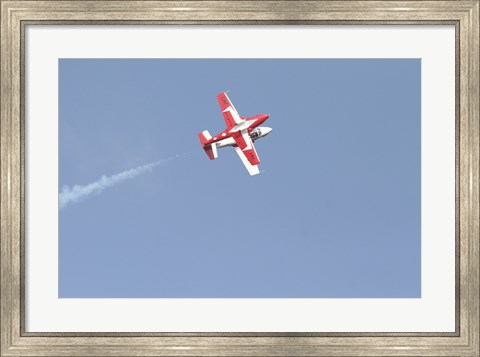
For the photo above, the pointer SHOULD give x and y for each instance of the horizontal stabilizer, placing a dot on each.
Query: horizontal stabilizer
(210, 149)
(206, 134)
(214, 150)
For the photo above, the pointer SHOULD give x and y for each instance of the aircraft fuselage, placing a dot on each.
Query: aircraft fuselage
(255, 134)
(225, 138)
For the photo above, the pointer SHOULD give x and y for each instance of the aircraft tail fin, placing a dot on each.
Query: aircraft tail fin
(210, 149)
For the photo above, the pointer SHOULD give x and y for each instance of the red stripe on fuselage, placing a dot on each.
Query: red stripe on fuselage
(259, 120)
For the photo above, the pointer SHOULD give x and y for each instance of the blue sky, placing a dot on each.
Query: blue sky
(335, 214)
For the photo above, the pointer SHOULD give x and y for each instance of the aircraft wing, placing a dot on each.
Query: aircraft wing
(230, 114)
(246, 150)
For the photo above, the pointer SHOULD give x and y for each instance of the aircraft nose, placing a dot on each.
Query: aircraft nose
(266, 130)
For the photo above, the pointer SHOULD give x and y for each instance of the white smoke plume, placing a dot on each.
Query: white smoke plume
(78, 193)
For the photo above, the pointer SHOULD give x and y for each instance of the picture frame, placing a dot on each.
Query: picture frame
(16, 15)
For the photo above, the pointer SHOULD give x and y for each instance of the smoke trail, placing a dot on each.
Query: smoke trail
(78, 193)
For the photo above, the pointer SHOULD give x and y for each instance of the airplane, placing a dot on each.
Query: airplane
(240, 133)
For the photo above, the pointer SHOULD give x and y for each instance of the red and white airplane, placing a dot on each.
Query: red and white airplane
(240, 133)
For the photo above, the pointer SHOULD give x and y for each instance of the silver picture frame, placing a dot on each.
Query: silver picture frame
(17, 15)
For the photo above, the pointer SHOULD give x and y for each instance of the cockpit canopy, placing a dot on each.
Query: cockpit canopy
(255, 134)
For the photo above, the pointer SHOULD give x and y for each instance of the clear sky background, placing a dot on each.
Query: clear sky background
(335, 214)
